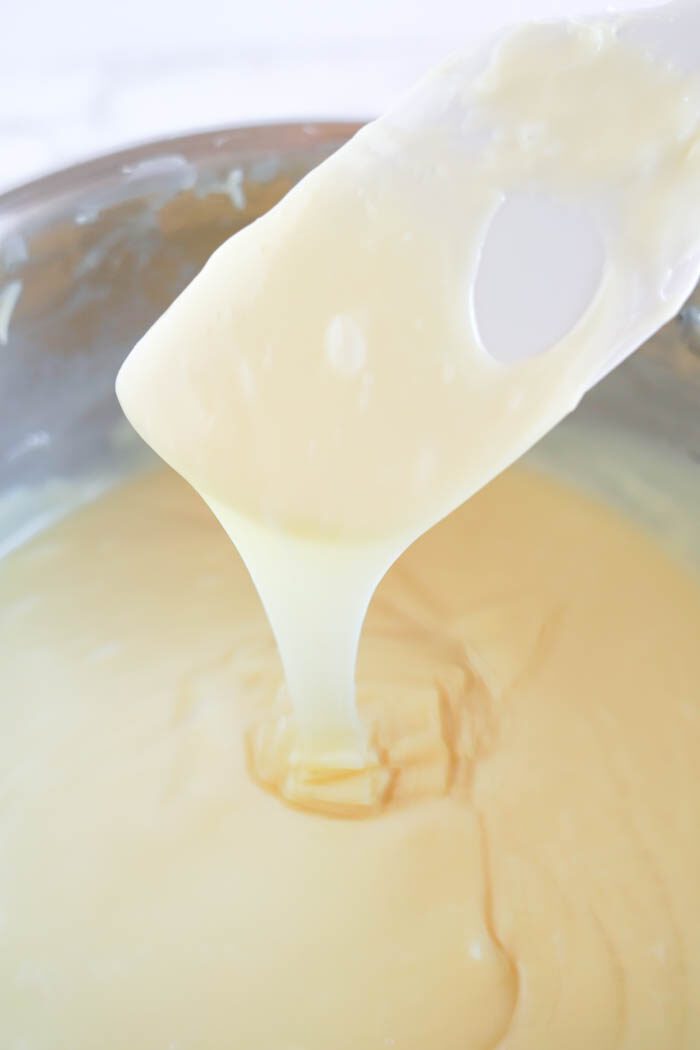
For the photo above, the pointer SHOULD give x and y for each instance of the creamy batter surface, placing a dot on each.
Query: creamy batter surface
(530, 880)
(325, 382)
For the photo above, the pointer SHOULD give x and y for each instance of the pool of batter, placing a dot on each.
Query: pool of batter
(529, 879)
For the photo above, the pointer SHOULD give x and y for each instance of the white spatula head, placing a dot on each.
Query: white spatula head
(437, 295)
(547, 247)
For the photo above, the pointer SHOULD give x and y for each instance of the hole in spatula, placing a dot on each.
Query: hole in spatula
(541, 265)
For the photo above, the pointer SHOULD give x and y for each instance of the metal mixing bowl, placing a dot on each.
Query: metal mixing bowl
(90, 256)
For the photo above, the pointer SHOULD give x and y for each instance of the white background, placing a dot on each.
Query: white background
(81, 77)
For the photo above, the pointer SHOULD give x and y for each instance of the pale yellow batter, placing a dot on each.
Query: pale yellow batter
(532, 882)
(524, 738)
(324, 383)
